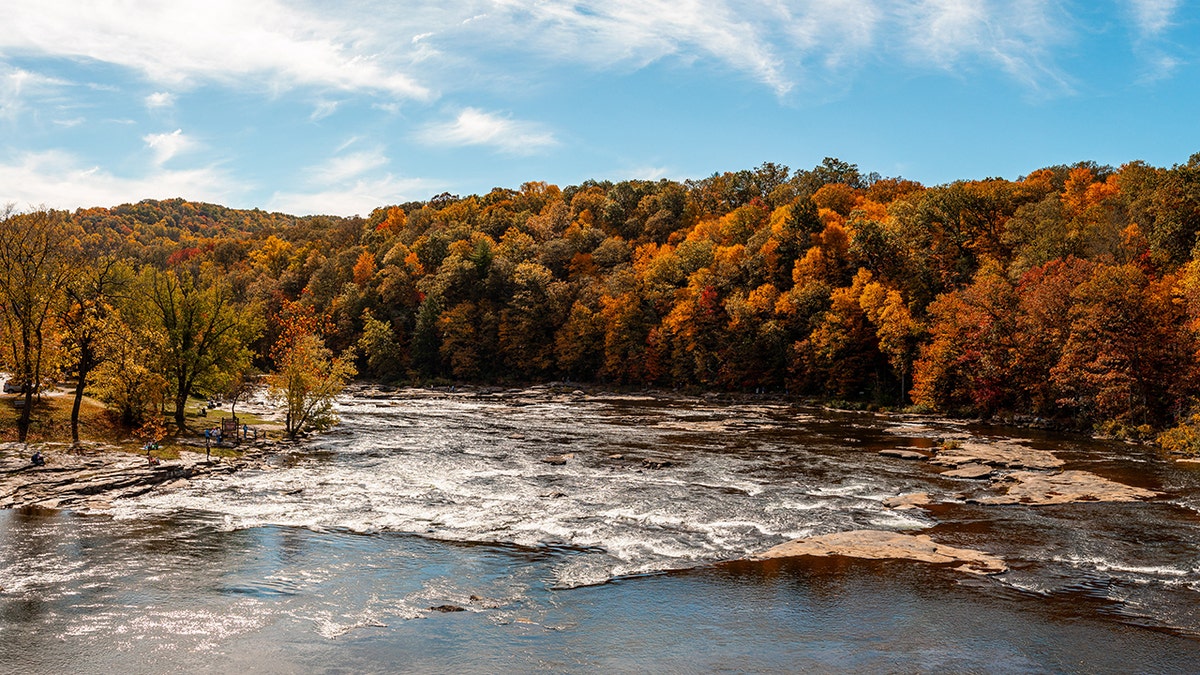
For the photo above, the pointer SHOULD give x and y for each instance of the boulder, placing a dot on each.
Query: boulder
(558, 460)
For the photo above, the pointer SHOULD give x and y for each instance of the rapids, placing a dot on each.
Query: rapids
(420, 499)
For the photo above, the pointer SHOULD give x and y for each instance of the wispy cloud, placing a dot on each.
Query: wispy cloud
(17, 85)
(350, 183)
(342, 168)
(477, 127)
(61, 180)
(1019, 37)
(357, 198)
(322, 110)
(168, 145)
(228, 41)
(1153, 16)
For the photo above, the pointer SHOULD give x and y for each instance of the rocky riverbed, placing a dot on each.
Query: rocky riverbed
(93, 478)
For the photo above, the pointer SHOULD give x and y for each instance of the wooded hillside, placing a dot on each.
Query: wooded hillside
(1072, 293)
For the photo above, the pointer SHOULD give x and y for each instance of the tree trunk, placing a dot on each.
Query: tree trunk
(180, 409)
(23, 420)
(75, 408)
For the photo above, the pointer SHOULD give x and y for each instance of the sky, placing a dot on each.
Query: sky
(342, 107)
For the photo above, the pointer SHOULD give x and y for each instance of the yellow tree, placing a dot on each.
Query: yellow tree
(38, 256)
(307, 377)
(894, 326)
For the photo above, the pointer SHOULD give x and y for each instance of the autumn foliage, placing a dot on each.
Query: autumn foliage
(1070, 294)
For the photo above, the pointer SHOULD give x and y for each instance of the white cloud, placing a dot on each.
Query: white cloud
(166, 146)
(358, 198)
(227, 41)
(160, 99)
(60, 180)
(1153, 16)
(379, 46)
(477, 127)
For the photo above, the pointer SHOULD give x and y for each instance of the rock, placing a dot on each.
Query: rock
(881, 545)
(656, 463)
(447, 608)
(1007, 454)
(90, 482)
(903, 454)
(558, 460)
(908, 501)
(972, 471)
(1039, 489)
(618, 456)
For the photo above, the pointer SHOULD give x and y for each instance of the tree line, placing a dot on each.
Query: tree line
(1071, 294)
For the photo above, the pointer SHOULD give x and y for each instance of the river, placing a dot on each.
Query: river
(619, 560)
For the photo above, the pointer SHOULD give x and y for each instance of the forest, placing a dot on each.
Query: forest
(1070, 296)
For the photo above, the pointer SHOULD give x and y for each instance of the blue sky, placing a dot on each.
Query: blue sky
(340, 107)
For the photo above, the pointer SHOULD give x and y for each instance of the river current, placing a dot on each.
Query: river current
(338, 556)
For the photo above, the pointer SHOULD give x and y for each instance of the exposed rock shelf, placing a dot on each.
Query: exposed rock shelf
(1028, 476)
(1039, 489)
(90, 482)
(881, 545)
(1004, 454)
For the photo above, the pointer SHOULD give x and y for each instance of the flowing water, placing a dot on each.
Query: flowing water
(618, 560)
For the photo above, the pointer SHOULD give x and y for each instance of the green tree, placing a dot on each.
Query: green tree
(384, 356)
(205, 331)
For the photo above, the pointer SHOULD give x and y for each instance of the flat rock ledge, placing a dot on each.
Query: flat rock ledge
(93, 482)
(1040, 489)
(1003, 454)
(882, 545)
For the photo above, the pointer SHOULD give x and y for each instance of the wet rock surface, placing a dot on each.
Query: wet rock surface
(970, 471)
(93, 481)
(903, 454)
(881, 545)
(1033, 488)
(908, 501)
(1005, 454)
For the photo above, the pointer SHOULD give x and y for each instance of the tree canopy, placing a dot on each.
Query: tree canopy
(1069, 293)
